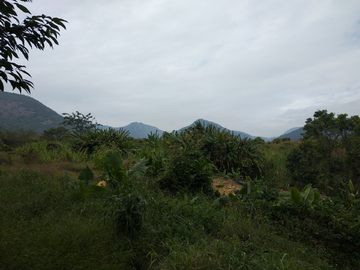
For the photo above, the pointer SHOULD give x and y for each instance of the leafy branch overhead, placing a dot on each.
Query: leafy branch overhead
(17, 37)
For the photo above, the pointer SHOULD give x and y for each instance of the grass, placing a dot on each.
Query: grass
(45, 225)
(274, 170)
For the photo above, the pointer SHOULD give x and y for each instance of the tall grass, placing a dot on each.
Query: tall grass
(274, 170)
(47, 152)
(46, 225)
(43, 225)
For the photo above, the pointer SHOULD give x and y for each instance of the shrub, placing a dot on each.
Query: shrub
(52, 146)
(93, 139)
(300, 168)
(13, 139)
(188, 171)
(55, 134)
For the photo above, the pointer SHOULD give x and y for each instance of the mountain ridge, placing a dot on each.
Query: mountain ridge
(23, 112)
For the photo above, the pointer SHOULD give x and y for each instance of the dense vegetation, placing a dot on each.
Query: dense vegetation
(103, 200)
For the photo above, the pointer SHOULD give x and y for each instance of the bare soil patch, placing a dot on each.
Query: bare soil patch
(225, 186)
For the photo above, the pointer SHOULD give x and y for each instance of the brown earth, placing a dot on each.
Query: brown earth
(225, 186)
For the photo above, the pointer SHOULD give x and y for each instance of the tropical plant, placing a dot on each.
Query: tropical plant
(188, 171)
(92, 140)
(55, 134)
(35, 31)
(329, 153)
(225, 150)
(157, 150)
(309, 196)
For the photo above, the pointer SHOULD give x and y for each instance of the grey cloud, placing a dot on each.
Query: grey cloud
(261, 67)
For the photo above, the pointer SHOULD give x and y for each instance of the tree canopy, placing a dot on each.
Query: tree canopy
(329, 155)
(17, 37)
(79, 122)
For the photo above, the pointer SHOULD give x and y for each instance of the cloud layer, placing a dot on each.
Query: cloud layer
(260, 67)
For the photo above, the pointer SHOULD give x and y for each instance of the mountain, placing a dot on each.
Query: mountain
(139, 130)
(22, 112)
(290, 130)
(293, 135)
(242, 134)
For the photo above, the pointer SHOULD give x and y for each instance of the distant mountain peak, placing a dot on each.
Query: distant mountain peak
(23, 112)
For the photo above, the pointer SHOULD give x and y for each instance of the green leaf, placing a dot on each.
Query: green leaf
(22, 8)
(306, 187)
(351, 186)
(59, 22)
(97, 189)
(295, 195)
(308, 196)
(316, 195)
(113, 160)
(139, 168)
(83, 190)
(69, 183)
(86, 175)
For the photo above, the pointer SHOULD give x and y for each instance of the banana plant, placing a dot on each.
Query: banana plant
(309, 197)
(83, 187)
(113, 175)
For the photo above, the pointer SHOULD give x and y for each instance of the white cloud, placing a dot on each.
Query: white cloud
(260, 67)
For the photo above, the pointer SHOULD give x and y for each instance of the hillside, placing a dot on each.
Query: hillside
(242, 134)
(293, 135)
(139, 130)
(22, 112)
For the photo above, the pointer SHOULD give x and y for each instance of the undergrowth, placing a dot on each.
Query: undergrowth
(154, 208)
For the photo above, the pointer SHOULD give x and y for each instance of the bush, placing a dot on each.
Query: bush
(328, 225)
(301, 170)
(13, 139)
(55, 134)
(188, 171)
(94, 139)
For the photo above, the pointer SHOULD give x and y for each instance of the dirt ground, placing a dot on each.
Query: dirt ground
(229, 186)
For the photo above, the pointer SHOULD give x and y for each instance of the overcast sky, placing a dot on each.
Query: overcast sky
(257, 66)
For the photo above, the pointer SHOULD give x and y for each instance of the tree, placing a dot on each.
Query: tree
(55, 134)
(80, 123)
(16, 37)
(329, 152)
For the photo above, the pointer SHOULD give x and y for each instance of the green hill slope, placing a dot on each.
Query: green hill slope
(23, 112)
(294, 135)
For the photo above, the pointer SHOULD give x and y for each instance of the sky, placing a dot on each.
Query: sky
(256, 66)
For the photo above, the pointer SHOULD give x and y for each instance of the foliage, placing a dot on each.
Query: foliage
(47, 152)
(55, 134)
(35, 31)
(128, 206)
(92, 140)
(325, 224)
(132, 226)
(157, 151)
(261, 191)
(301, 170)
(12, 139)
(135, 225)
(274, 165)
(79, 122)
(225, 150)
(309, 196)
(188, 171)
(329, 154)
